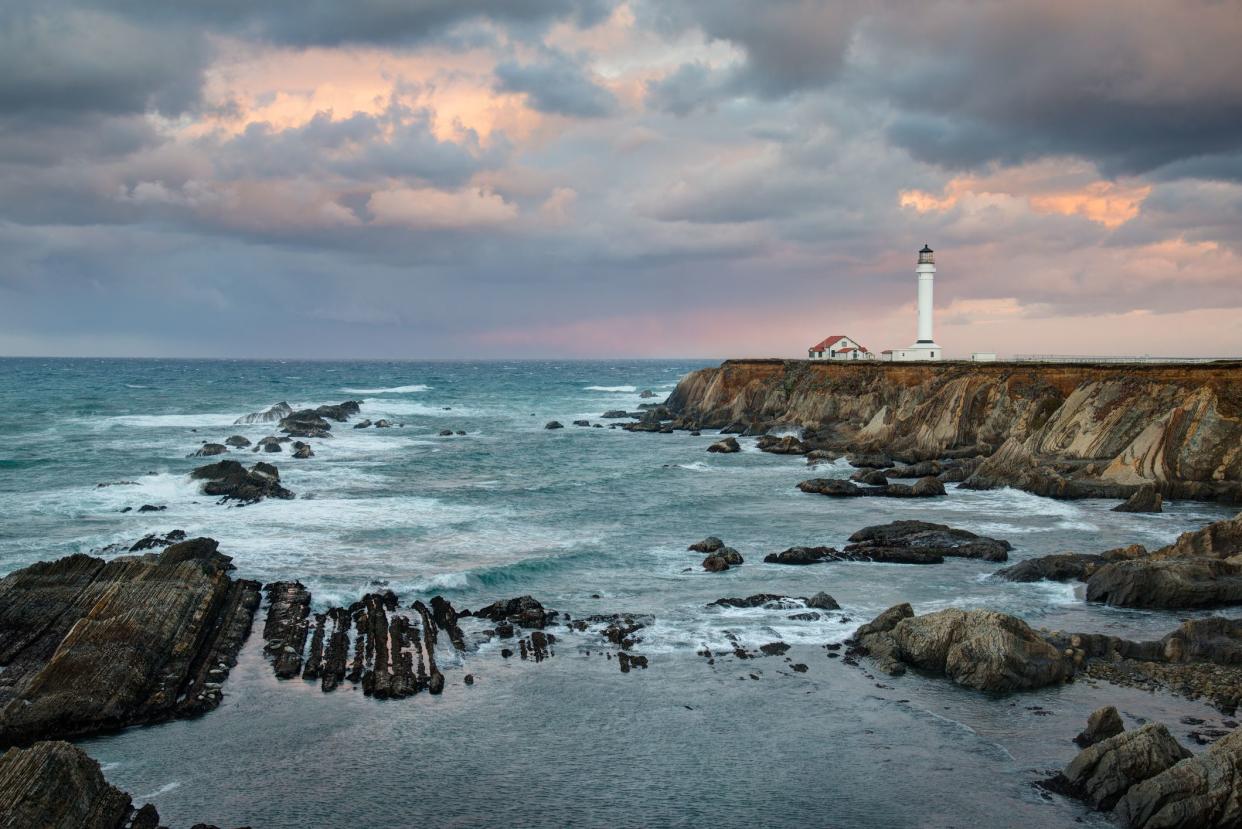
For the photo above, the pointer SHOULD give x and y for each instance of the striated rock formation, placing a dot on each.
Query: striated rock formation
(1203, 792)
(978, 649)
(727, 446)
(1103, 772)
(88, 645)
(1201, 569)
(55, 785)
(1066, 431)
(1066, 566)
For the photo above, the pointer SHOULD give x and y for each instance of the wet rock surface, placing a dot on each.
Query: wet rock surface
(1201, 569)
(727, 446)
(55, 785)
(1204, 792)
(979, 649)
(934, 539)
(230, 481)
(272, 415)
(89, 646)
(1102, 773)
(1145, 499)
(1103, 723)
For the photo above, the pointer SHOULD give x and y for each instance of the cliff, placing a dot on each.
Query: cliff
(1062, 430)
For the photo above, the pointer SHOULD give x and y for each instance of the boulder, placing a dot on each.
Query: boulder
(1203, 792)
(362, 424)
(209, 449)
(870, 477)
(884, 542)
(800, 555)
(237, 441)
(553, 424)
(715, 564)
(273, 415)
(1103, 772)
(229, 480)
(383, 423)
(1167, 583)
(646, 394)
(55, 785)
(339, 412)
(880, 555)
(838, 488)
(727, 446)
(787, 445)
(1144, 499)
(524, 611)
(979, 649)
(89, 646)
(306, 423)
(869, 460)
(615, 414)
(1066, 566)
(152, 508)
(586, 423)
(708, 545)
(302, 451)
(822, 601)
(1103, 723)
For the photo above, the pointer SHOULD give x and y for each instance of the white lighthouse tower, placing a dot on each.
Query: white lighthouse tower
(925, 348)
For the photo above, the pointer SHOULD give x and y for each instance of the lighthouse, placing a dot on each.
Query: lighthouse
(925, 347)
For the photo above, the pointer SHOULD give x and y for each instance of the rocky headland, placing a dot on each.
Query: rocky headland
(1066, 431)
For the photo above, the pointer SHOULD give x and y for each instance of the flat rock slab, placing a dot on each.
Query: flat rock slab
(89, 646)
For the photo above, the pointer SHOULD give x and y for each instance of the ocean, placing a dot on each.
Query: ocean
(588, 521)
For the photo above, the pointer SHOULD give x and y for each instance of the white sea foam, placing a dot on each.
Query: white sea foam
(165, 789)
(444, 581)
(696, 466)
(165, 421)
(417, 387)
(613, 389)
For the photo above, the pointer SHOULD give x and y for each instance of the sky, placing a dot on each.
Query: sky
(633, 178)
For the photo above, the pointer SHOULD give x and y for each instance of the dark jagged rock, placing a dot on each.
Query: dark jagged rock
(787, 445)
(553, 424)
(1203, 792)
(757, 600)
(880, 555)
(615, 414)
(1102, 773)
(209, 449)
(978, 649)
(314, 660)
(838, 488)
(822, 601)
(726, 446)
(708, 545)
(340, 412)
(229, 480)
(284, 632)
(870, 477)
(446, 619)
(154, 540)
(302, 451)
(89, 646)
(237, 441)
(54, 785)
(524, 611)
(879, 542)
(715, 564)
(1201, 569)
(586, 423)
(306, 423)
(362, 424)
(869, 461)
(152, 508)
(1145, 499)
(1066, 566)
(646, 394)
(336, 653)
(273, 415)
(445, 433)
(1103, 723)
(774, 649)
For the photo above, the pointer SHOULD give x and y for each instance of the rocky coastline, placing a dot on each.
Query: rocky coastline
(1063, 431)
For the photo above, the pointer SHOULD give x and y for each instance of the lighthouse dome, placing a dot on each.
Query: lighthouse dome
(925, 256)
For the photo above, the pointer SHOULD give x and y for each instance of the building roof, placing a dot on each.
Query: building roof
(831, 341)
(926, 249)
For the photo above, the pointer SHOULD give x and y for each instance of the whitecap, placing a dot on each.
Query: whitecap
(696, 466)
(165, 789)
(417, 387)
(613, 389)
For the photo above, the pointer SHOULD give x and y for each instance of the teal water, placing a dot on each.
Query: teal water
(566, 515)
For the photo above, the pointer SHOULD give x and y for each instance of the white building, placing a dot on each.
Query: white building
(839, 347)
(925, 348)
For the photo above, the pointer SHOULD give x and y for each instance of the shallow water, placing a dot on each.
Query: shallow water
(510, 509)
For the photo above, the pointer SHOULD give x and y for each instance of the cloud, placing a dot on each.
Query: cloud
(435, 209)
(557, 85)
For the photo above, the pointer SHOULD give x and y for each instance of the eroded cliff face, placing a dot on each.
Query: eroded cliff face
(1061, 430)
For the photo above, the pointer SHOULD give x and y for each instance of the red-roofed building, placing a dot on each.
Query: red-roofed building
(839, 347)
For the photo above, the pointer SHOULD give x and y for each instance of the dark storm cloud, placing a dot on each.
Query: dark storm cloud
(55, 59)
(332, 23)
(556, 84)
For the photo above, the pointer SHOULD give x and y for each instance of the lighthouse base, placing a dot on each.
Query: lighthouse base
(922, 351)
